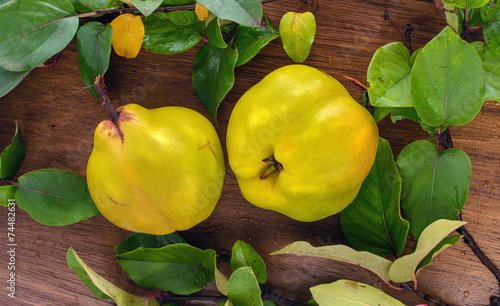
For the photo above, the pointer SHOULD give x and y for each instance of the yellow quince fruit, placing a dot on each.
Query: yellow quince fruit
(299, 144)
(156, 171)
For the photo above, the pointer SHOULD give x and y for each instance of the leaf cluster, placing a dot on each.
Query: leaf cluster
(175, 268)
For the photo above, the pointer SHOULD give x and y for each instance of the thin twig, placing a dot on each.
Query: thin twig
(388, 18)
(162, 9)
(469, 240)
(423, 295)
(101, 90)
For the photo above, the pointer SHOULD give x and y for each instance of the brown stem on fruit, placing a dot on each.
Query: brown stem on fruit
(274, 166)
(404, 37)
(163, 9)
(101, 90)
(356, 82)
(425, 296)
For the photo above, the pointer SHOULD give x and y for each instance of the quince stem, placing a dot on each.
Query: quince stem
(101, 90)
(274, 166)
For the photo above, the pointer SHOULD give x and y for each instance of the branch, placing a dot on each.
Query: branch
(408, 30)
(423, 295)
(163, 9)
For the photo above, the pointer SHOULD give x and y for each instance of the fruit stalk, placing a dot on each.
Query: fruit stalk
(274, 166)
(101, 90)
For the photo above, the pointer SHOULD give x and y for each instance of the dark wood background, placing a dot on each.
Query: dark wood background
(57, 116)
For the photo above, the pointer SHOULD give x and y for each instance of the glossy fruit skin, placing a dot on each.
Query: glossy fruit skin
(156, 171)
(325, 141)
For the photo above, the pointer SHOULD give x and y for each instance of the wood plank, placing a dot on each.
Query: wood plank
(57, 117)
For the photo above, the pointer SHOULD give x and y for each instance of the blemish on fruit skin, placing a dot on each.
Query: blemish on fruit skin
(209, 146)
(116, 202)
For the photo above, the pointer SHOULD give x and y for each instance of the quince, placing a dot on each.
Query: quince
(299, 144)
(156, 171)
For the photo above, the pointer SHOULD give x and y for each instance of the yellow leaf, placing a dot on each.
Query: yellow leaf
(128, 33)
(201, 11)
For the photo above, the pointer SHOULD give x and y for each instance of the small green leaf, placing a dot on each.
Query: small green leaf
(102, 288)
(380, 113)
(388, 76)
(435, 184)
(214, 34)
(178, 268)
(213, 75)
(490, 15)
(136, 240)
(373, 221)
(12, 156)
(297, 32)
(243, 255)
(491, 64)
(31, 31)
(221, 282)
(94, 50)
(146, 7)
(444, 244)
(250, 40)
(172, 32)
(245, 12)
(7, 193)
(372, 262)
(10, 79)
(243, 288)
(346, 292)
(404, 269)
(447, 81)
(467, 3)
(55, 197)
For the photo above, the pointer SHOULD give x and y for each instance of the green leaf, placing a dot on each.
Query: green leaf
(214, 34)
(490, 15)
(297, 32)
(221, 282)
(102, 288)
(452, 17)
(404, 269)
(31, 31)
(55, 197)
(467, 3)
(245, 12)
(12, 156)
(372, 262)
(136, 240)
(447, 81)
(10, 79)
(380, 113)
(346, 292)
(146, 7)
(178, 268)
(435, 184)
(172, 32)
(7, 193)
(243, 255)
(94, 50)
(249, 40)
(444, 244)
(388, 77)
(373, 221)
(95, 5)
(213, 75)
(400, 113)
(491, 64)
(243, 288)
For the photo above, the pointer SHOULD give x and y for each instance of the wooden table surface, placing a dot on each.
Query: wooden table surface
(57, 116)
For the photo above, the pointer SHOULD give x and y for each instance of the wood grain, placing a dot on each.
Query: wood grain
(57, 116)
